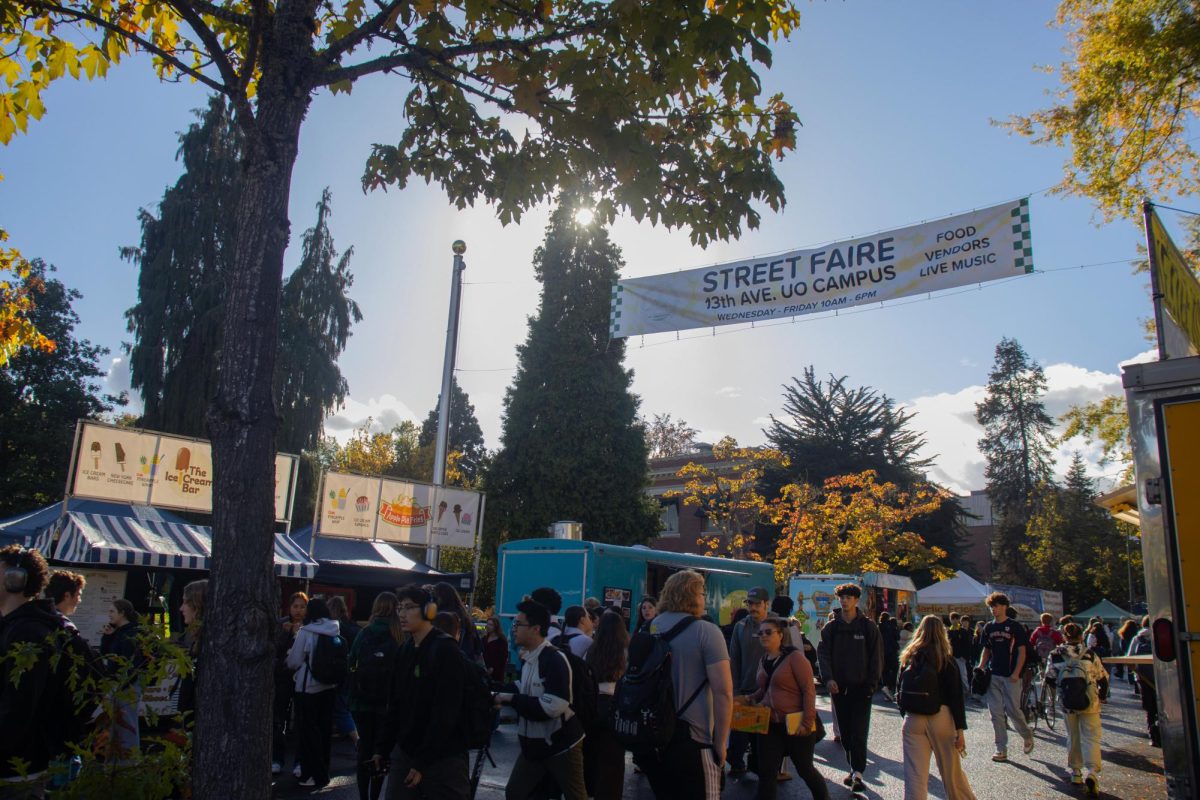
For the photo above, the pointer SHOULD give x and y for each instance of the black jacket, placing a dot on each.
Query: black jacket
(37, 715)
(425, 708)
(122, 644)
(889, 632)
(962, 644)
(851, 654)
(950, 694)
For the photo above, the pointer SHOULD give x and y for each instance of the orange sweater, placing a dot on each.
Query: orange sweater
(790, 689)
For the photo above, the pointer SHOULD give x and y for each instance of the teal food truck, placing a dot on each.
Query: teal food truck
(618, 576)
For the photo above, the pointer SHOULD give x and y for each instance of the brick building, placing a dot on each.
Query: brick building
(682, 524)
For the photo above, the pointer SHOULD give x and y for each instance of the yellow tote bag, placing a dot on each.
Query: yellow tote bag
(751, 719)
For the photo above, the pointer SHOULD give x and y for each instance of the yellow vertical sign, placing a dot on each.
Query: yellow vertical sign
(1179, 287)
(1181, 429)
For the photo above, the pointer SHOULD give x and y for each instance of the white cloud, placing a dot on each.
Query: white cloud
(952, 434)
(384, 412)
(729, 391)
(117, 380)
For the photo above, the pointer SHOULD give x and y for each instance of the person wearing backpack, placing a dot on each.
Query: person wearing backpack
(745, 651)
(372, 657)
(1143, 645)
(698, 706)
(577, 631)
(1079, 675)
(930, 696)
(423, 734)
(603, 752)
(1045, 638)
(314, 661)
(549, 731)
(851, 656)
(785, 685)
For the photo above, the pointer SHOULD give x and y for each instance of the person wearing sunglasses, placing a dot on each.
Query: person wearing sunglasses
(785, 685)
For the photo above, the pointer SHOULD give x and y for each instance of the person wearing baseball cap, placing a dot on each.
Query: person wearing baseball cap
(745, 651)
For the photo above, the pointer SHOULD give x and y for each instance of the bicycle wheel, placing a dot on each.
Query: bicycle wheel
(1029, 705)
(1051, 706)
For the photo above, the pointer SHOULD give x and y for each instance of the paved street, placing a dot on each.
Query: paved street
(1132, 769)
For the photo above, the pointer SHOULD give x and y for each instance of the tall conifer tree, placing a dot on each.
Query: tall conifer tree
(183, 259)
(1016, 444)
(465, 437)
(572, 446)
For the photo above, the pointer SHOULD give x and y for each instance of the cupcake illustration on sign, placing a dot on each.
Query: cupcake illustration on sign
(362, 503)
(405, 512)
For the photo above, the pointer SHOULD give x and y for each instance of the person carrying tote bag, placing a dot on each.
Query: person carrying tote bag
(785, 685)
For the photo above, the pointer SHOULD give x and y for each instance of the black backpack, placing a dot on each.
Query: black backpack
(1103, 645)
(584, 691)
(644, 715)
(918, 690)
(329, 661)
(479, 712)
(1075, 688)
(373, 670)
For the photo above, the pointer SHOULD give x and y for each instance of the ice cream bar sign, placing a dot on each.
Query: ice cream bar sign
(134, 466)
(405, 512)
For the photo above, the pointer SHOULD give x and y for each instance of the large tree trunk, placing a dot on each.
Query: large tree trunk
(233, 736)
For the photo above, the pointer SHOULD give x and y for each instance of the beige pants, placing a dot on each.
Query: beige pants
(925, 734)
(1083, 741)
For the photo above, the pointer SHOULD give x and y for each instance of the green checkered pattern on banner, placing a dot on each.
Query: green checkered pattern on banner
(614, 317)
(1024, 247)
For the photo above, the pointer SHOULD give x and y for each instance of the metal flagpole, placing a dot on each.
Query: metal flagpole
(439, 458)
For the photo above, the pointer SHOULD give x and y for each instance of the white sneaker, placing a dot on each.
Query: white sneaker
(276, 768)
(297, 771)
(1028, 745)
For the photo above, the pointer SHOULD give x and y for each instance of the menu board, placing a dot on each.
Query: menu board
(133, 466)
(404, 512)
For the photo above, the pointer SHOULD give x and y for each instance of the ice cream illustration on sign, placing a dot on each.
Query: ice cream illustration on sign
(95, 448)
(120, 451)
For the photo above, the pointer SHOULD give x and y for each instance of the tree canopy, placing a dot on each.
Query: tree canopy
(829, 428)
(1127, 101)
(18, 297)
(42, 393)
(464, 441)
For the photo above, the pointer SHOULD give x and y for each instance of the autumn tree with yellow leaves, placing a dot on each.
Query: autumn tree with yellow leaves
(19, 287)
(726, 491)
(854, 524)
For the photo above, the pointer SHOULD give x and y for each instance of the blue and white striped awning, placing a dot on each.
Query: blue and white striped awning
(132, 542)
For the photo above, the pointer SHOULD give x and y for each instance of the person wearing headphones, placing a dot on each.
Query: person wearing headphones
(31, 727)
(422, 734)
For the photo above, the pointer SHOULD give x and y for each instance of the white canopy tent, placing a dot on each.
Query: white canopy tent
(961, 590)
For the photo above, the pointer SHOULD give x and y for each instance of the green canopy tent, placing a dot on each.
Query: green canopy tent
(1106, 610)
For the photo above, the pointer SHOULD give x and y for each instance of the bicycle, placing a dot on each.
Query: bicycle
(1029, 701)
(1048, 703)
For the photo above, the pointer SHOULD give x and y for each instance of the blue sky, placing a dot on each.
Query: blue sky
(897, 102)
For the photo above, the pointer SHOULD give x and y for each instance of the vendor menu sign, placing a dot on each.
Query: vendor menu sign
(133, 466)
(962, 250)
(404, 512)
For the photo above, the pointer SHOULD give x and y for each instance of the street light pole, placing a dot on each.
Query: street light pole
(443, 430)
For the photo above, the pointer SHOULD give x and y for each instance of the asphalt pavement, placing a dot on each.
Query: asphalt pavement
(1132, 768)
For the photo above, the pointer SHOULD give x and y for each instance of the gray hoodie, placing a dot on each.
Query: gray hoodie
(300, 655)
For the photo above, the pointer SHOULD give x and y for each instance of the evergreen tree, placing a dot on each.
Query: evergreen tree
(1016, 444)
(572, 447)
(830, 429)
(183, 259)
(1076, 546)
(42, 394)
(465, 437)
(315, 321)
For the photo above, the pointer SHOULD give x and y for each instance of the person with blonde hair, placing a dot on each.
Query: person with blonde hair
(690, 766)
(930, 697)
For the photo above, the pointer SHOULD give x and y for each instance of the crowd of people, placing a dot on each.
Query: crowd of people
(418, 687)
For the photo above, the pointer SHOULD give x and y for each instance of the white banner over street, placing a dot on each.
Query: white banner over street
(404, 512)
(983, 245)
(134, 466)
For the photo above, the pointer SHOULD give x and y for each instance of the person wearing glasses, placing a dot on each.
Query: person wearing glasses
(424, 718)
(551, 735)
(785, 685)
(745, 651)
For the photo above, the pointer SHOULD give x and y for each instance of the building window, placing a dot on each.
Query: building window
(669, 518)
